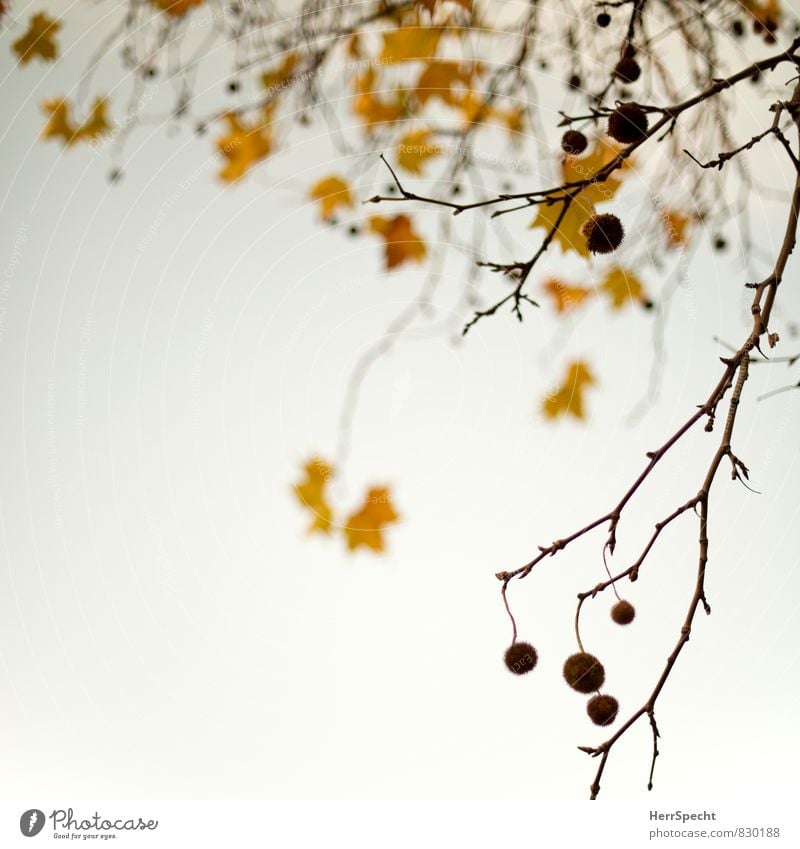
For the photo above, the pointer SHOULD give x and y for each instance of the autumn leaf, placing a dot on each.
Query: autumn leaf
(282, 74)
(409, 43)
(675, 226)
(764, 11)
(372, 109)
(621, 286)
(439, 77)
(310, 493)
(365, 527)
(38, 40)
(177, 8)
(244, 146)
(565, 296)
(568, 398)
(331, 192)
(416, 148)
(402, 243)
(573, 170)
(60, 123)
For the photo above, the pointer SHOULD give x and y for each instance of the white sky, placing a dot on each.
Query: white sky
(167, 631)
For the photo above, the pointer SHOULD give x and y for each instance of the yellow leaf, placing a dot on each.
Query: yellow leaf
(310, 493)
(282, 74)
(675, 226)
(568, 398)
(244, 146)
(415, 148)
(365, 526)
(60, 124)
(38, 40)
(764, 11)
(177, 8)
(331, 192)
(439, 77)
(402, 243)
(574, 169)
(622, 286)
(409, 43)
(372, 109)
(565, 296)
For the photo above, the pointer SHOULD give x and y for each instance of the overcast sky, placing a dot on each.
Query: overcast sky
(172, 351)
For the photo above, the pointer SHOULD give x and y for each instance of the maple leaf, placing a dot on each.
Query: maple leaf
(372, 109)
(38, 40)
(415, 148)
(568, 398)
(408, 43)
(764, 11)
(431, 5)
(675, 226)
(177, 8)
(310, 493)
(439, 77)
(565, 296)
(244, 146)
(573, 170)
(365, 526)
(622, 286)
(60, 124)
(282, 74)
(402, 243)
(331, 192)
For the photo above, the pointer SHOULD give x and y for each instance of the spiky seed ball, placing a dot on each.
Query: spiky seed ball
(627, 70)
(603, 19)
(602, 710)
(628, 123)
(521, 658)
(603, 233)
(574, 142)
(584, 672)
(623, 612)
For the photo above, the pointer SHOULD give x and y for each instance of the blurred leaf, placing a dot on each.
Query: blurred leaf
(402, 243)
(416, 148)
(38, 40)
(310, 493)
(365, 527)
(621, 286)
(244, 146)
(565, 297)
(568, 398)
(331, 192)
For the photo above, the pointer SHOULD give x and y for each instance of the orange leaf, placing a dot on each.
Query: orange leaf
(622, 286)
(310, 493)
(415, 148)
(402, 243)
(408, 43)
(244, 146)
(177, 8)
(573, 170)
(371, 108)
(675, 225)
(565, 296)
(38, 40)
(365, 526)
(439, 77)
(331, 192)
(60, 124)
(282, 74)
(568, 398)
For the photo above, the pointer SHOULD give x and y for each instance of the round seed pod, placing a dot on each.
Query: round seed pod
(603, 19)
(584, 672)
(602, 709)
(603, 233)
(627, 70)
(623, 612)
(520, 658)
(628, 123)
(574, 142)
